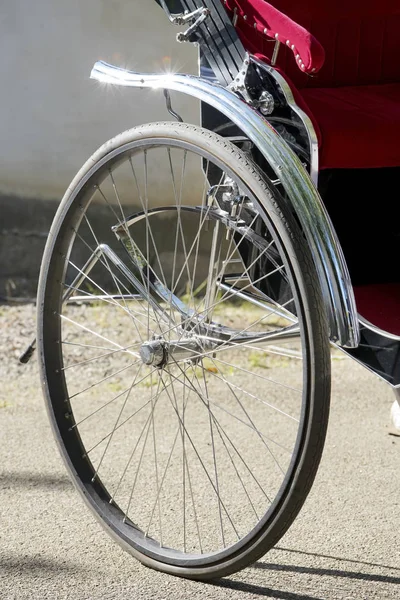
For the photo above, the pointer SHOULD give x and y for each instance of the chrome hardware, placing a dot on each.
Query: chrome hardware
(181, 18)
(226, 196)
(211, 195)
(266, 103)
(235, 17)
(152, 353)
(233, 278)
(198, 16)
(232, 195)
(275, 53)
(239, 83)
(160, 352)
(228, 200)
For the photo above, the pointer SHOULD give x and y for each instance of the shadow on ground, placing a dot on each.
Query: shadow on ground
(29, 480)
(323, 572)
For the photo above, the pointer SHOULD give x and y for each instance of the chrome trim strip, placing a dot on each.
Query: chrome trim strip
(331, 267)
(368, 325)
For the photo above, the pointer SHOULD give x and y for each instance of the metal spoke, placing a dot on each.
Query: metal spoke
(181, 429)
(204, 467)
(127, 419)
(160, 485)
(105, 293)
(112, 432)
(230, 386)
(107, 262)
(228, 296)
(196, 241)
(107, 298)
(153, 405)
(199, 395)
(210, 421)
(134, 382)
(288, 387)
(204, 215)
(225, 410)
(116, 279)
(146, 425)
(144, 279)
(104, 379)
(89, 360)
(99, 409)
(145, 210)
(64, 342)
(102, 337)
(156, 467)
(236, 469)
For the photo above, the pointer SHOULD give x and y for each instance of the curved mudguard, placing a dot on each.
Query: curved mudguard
(306, 203)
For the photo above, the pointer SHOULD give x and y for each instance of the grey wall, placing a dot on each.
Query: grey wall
(52, 116)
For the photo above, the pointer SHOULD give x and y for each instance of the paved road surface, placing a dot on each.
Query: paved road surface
(345, 544)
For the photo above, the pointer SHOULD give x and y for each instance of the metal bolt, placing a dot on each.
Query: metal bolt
(266, 103)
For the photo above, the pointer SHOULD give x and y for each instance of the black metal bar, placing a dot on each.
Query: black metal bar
(217, 37)
(221, 38)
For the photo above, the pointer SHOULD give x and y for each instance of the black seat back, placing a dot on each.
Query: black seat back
(216, 36)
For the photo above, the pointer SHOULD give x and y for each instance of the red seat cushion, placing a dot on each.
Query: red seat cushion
(359, 125)
(380, 305)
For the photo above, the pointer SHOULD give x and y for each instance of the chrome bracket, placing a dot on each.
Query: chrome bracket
(198, 16)
(180, 18)
(265, 102)
(238, 85)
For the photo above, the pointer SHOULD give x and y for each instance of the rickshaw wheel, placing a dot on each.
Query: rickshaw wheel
(184, 351)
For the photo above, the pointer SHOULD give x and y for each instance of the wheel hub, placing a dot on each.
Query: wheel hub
(160, 352)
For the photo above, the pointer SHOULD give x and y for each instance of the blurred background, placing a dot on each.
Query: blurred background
(53, 117)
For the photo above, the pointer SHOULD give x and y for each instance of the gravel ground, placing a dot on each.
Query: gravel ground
(345, 543)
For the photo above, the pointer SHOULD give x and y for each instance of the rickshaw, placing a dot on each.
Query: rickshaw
(197, 278)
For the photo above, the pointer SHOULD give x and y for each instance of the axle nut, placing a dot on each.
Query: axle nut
(152, 353)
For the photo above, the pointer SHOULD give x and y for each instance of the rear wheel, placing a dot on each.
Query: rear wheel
(184, 350)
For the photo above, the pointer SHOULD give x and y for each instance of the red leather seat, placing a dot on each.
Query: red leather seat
(353, 96)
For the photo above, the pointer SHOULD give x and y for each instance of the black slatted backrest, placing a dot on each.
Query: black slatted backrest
(217, 37)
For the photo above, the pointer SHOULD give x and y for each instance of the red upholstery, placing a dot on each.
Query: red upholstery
(265, 20)
(361, 38)
(355, 97)
(379, 304)
(359, 125)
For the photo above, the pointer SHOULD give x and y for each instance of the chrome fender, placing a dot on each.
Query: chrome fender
(332, 270)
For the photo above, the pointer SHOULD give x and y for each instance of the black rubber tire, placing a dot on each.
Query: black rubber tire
(310, 311)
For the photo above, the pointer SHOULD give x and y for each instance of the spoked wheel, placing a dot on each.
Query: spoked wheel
(183, 350)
